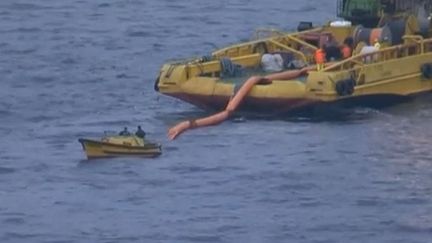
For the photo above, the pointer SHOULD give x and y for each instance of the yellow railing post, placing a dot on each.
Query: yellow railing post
(303, 43)
(418, 39)
(422, 46)
(299, 53)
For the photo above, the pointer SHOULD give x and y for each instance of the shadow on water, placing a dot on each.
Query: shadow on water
(122, 160)
(350, 112)
(328, 114)
(6, 170)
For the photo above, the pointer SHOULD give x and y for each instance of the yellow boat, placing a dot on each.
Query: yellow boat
(399, 68)
(116, 146)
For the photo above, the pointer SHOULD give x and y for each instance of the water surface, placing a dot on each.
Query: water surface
(74, 69)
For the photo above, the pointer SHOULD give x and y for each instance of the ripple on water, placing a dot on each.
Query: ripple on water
(193, 237)
(5, 112)
(413, 228)
(138, 33)
(104, 5)
(412, 201)
(5, 13)
(307, 8)
(199, 169)
(23, 51)
(42, 118)
(125, 76)
(44, 79)
(27, 30)
(372, 202)
(26, 6)
(17, 236)
(296, 187)
(335, 227)
(14, 221)
(6, 170)
(285, 175)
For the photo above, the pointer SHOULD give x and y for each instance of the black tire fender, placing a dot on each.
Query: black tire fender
(345, 87)
(426, 70)
(340, 88)
(350, 86)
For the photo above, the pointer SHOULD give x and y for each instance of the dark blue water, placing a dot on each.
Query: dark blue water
(76, 68)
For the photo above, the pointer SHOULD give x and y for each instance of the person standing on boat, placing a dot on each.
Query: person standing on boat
(347, 47)
(140, 133)
(320, 57)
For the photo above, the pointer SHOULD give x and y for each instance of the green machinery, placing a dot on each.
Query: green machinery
(369, 12)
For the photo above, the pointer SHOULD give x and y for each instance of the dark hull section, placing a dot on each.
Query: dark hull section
(345, 108)
(96, 149)
(109, 155)
(294, 106)
(264, 106)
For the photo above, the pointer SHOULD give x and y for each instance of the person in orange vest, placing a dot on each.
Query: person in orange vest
(347, 47)
(320, 57)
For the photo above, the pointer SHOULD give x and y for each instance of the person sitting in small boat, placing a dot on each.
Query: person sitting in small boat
(140, 133)
(125, 132)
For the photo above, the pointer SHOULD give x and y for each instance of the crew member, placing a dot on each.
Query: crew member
(320, 57)
(347, 47)
(125, 132)
(140, 133)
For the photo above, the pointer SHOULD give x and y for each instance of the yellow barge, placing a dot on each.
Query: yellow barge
(399, 68)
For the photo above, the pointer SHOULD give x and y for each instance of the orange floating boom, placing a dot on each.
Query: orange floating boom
(233, 104)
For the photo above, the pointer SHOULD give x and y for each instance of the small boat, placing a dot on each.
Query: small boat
(120, 146)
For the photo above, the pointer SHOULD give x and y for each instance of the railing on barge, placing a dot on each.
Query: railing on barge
(415, 45)
(278, 42)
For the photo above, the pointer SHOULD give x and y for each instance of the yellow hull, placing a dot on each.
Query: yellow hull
(97, 149)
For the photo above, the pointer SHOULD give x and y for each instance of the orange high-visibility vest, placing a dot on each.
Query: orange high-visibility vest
(346, 51)
(320, 56)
